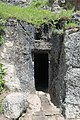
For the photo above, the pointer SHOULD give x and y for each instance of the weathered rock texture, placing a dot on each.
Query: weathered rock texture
(65, 84)
(18, 2)
(16, 55)
(14, 105)
(22, 40)
(76, 16)
(72, 76)
(66, 4)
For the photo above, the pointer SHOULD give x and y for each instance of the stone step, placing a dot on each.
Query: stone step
(47, 107)
(39, 118)
(47, 111)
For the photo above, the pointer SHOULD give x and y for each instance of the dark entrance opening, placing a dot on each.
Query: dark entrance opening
(41, 71)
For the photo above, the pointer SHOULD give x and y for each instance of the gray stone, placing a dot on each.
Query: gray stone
(34, 103)
(72, 76)
(61, 1)
(65, 73)
(14, 105)
(18, 2)
(16, 56)
(67, 3)
(39, 118)
(76, 16)
(11, 80)
(56, 8)
(72, 100)
(57, 5)
(72, 48)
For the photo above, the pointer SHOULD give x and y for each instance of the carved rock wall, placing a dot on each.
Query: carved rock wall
(72, 76)
(22, 40)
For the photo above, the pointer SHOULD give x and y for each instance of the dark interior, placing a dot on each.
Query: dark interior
(41, 71)
(37, 36)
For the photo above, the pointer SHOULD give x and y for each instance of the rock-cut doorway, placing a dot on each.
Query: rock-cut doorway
(41, 71)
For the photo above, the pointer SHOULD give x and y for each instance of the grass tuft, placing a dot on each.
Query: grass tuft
(71, 24)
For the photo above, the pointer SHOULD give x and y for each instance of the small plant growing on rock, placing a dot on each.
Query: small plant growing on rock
(1, 40)
(39, 3)
(71, 24)
(2, 86)
(2, 82)
(2, 22)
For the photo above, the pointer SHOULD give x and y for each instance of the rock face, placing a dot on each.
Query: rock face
(16, 56)
(34, 103)
(67, 3)
(14, 105)
(17, 53)
(18, 2)
(72, 76)
(11, 80)
(65, 86)
(22, 41)
(76, 16)
(56, 7)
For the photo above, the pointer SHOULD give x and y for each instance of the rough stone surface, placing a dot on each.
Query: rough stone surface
(2, 117)
(47, 109)
(72, 49)
(55, 7)
(34, 103)
(17, 55)
(56, 85)
(65, 4)
(18, 2)
(11, 80)
(65, 73)
(76, 16)
(72, 77)
(14, 105)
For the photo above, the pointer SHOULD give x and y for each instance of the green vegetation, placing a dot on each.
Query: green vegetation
(1, 31)
(34, 14)
(39, 3)
(71, 24)
(1, 40)
(2, 82)
(58, 31)
(64, 14)
(30, 14)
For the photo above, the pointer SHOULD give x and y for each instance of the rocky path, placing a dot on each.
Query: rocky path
(47, 110)
(41, 108)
